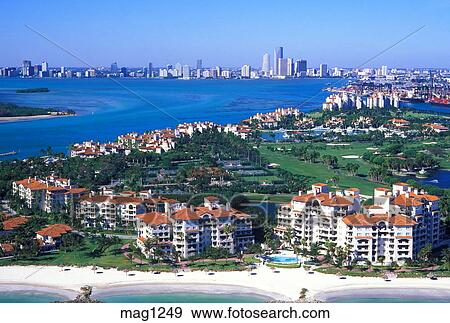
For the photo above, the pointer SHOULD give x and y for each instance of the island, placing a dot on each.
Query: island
(33, 90)
(11, 112)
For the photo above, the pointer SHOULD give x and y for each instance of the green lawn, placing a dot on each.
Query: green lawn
(81, 257)
(320, 172)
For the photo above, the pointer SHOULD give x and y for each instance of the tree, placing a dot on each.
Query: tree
(330, 161)
(352, 168)
(425, 253)
(446, 258)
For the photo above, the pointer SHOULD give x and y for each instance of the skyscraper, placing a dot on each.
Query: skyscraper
(277, 54)
(186, 72)
(282, 67)
(114, 67)
(290, 67)
(44, 67)
(301, 67)
(150, 70)
(179, 69)
(384, 70)
(245, 71)
(266, 64)
(27, 69)
(199, 64)
(323, 71)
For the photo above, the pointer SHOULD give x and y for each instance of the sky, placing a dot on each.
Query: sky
(227, 33)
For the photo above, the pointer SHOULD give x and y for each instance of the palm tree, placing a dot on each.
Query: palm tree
(228, 229)
(288, 236)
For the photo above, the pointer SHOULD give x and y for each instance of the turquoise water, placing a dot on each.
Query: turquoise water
(181, 298)
(284, 259)
(388, 300)
(28, 298)
(106, 109)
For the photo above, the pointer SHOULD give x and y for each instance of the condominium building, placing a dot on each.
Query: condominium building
(395, 228)
(193, 229)
(122, 210)
(51, 194)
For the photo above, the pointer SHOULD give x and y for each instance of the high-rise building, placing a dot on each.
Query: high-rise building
(179, 69)
(266, 64)
(186, 72)
(44, 67)
(323, 70)
(282, 67)
(150, 70)
(199, 64)
(27, 69)
(277, 54)
(114, 67)
(245, 71)
(384, 70)
(300, 67)
(289, 66)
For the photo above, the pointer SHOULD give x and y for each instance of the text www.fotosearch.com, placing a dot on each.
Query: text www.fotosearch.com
(229, 313)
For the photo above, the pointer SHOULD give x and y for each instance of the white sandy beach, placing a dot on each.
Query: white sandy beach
(30, 118)
(285, 285)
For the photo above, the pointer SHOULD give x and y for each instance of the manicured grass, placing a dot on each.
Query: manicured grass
(223, 265)
(345, 272)
(251, 260)
(320, 172)
(275, 265)
(81, 257)
(276, 198)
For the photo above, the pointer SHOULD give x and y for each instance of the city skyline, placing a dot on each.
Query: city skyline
(324, 32)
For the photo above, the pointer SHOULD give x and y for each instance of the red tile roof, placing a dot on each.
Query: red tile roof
(54, 230)
(14, 223)
(154, 218)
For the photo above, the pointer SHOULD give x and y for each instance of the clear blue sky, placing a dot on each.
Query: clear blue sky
(229, 33)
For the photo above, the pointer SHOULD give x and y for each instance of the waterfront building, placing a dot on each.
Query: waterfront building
(51, 236)
(289, 66)
(150, 70)
(179, 69)
(282, 67)
(301, 67)
(266, 65)
(323, 70)
(27, 69)
(44, 67)
(245, 71)
(395, 228)
(114, 68)
(277, 54)
(51, 194)
(199, 64)
(192, 229)
(186, 72)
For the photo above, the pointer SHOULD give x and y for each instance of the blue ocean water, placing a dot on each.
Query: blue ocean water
(28, 297)
(107, 109)
(180, 298)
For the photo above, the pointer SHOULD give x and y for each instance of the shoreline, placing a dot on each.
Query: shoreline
(31, 118)
(344, 293)
(264, 282)
(184, 288)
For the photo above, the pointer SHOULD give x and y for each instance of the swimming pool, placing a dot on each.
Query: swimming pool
(283, 259)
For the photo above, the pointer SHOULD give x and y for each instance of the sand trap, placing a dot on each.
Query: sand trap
(371, 148)
(351, 156)
(430, 143)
